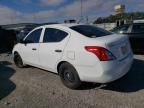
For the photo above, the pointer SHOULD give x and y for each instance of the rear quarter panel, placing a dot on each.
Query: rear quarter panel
(75, 52)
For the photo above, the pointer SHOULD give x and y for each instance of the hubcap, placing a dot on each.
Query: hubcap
(69, 76)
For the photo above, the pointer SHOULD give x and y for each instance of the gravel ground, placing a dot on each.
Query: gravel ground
(35, 88)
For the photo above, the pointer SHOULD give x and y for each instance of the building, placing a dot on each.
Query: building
(119, 9)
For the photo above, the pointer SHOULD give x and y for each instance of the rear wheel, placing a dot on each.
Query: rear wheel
(69, 76)
(18, 60)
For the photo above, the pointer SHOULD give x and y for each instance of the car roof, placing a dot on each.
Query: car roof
(63, 25)
(132, 24)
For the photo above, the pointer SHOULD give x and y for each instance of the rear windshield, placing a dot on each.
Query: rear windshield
(90, 31)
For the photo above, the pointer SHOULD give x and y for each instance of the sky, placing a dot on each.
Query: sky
(40, 11)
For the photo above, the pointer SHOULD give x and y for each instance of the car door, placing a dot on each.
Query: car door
(52, 47)
(30, 50)
(137, 37)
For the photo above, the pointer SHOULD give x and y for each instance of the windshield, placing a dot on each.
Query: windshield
(90, 31)
(122, 29)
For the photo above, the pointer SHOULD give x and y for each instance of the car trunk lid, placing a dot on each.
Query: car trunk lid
(117, 44)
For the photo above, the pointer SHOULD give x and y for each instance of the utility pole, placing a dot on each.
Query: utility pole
(81, 9)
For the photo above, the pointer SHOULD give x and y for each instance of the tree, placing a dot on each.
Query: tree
(123, 16)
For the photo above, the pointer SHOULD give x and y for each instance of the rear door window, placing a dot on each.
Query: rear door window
(54, 35)
(138, 28)
(90, 31)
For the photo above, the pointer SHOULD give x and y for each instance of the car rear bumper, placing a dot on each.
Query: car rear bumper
(106, 72)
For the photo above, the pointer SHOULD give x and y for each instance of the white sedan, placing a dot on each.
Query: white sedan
(77, 52)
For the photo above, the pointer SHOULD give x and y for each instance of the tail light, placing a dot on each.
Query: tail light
(102, 53)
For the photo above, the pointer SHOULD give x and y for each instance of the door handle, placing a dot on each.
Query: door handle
(34, 49)
(58, 51)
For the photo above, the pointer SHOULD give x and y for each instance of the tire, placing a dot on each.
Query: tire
(69, 76)
(18, 60)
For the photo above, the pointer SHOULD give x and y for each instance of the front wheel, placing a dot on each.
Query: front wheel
(69, 76)
(18, 60)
